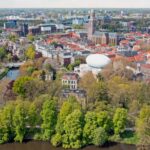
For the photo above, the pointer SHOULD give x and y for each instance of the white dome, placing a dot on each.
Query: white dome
(97, 60)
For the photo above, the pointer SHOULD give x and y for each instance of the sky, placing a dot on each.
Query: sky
(74, 3)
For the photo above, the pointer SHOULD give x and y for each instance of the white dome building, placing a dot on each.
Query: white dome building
(95, 63)
(98, 61)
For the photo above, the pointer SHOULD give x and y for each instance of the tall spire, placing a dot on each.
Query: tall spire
(92, 14)
(91, 25)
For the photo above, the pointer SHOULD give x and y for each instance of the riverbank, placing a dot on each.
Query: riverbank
(4, 73)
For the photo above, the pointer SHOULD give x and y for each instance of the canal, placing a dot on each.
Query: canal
(12, 74)
(37, 145)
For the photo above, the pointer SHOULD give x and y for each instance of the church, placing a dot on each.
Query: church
(97, 37)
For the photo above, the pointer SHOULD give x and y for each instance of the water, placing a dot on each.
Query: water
(36, 145)
(13, 74)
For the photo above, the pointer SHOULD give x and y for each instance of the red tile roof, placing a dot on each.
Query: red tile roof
(137, 58)
(70, 76)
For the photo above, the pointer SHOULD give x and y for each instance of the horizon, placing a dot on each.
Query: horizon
(74, 7)
(75, 4)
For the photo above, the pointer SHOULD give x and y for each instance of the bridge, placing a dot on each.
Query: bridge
(14, 65)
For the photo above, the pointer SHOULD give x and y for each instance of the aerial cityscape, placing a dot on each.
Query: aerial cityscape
(75, 75)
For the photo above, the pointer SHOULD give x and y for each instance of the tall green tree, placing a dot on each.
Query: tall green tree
(20, 118)
(73, 127)
(49, 118)
(33, 117)
(2, 52)
(90, 125)
(93, 122)
(143, 125)
(119, 120)
(6, 126)
(30, 52)
(67, 108)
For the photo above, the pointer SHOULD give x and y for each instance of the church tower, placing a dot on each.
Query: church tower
(91, 25)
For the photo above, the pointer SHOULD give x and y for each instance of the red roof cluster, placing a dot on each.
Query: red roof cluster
(136, 58)
(147, 66)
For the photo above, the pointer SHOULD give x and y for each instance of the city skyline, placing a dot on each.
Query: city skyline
(75, 4)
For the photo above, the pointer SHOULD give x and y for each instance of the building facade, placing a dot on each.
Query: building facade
(70, 80)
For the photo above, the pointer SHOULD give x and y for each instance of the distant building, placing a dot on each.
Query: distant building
(126, 52)
(65, 58)
(78, 21)
(113, 39)
(34, 30)
(24, 29)
(60, 27)
(83, 53)
(16, 32)
(100, 38)
(10, 24)
(46, 28)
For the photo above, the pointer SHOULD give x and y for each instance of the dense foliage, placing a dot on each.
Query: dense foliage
(116, 109)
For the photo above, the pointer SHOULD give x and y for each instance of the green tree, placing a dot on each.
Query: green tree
(30, 37)
(9, 57)
(20, 121)
(49, 118)
(19, 85)
(90, 126)
(33, 117)
(67, 108)
(2, 52)
(35, 88)
(102, 91)
(99, 136)
(30, 52)
(6, 126)
(13, 38)
(76, 63)
(30, 70)
(73, 127)
(122, 86)
(119, 120)
(104, 120)
(89, 83)
(143, 125)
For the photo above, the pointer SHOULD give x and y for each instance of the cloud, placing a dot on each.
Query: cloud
(74, 3)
